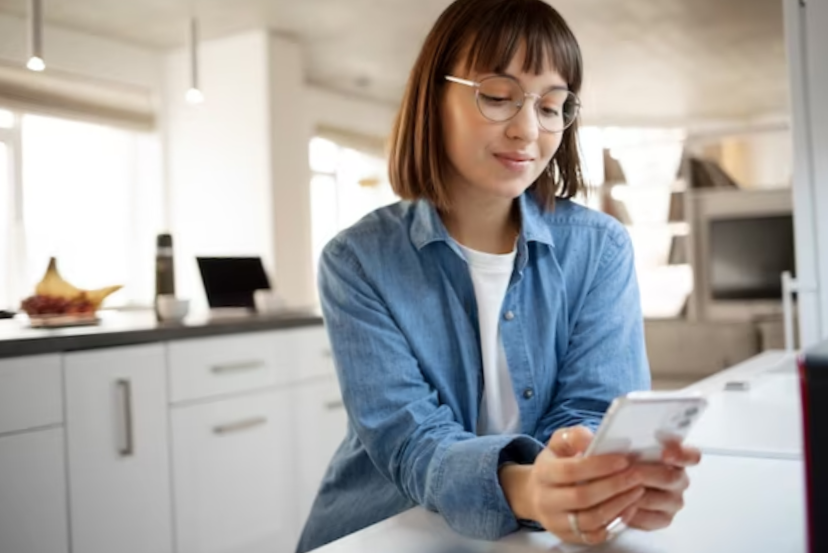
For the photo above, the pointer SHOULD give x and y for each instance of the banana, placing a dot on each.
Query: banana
(96, 297)
(52, 284)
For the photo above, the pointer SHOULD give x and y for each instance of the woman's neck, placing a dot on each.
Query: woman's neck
(487, 224)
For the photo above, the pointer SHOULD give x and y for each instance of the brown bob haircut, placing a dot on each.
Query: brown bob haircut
(486, 35)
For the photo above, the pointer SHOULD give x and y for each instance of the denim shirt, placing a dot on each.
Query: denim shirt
(399, 306)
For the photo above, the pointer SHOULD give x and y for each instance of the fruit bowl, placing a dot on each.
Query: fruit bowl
(57, 303)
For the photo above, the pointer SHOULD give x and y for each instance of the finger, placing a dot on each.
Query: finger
(569, 442)
(562, 529)
(659, 500)
(600, 516)
(555, 471)
(664, 477)
(586, 496)
(679, 456)
(650, 520)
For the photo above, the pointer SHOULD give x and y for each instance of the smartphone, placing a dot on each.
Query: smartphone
(640, 423)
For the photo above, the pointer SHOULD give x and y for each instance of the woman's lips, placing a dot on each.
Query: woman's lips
(515, 162)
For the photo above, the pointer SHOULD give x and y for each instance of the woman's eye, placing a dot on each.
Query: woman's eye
(550, 112)
(494, 99)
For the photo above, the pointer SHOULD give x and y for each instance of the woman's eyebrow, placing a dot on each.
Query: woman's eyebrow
(560, 86)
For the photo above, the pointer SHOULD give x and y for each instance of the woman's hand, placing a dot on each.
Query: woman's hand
(596, 490)
(665, 485)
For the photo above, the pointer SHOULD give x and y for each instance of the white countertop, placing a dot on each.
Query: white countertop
(763, 420)
(747, 496)
(735, 505)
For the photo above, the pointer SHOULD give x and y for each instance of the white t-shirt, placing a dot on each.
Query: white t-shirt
(490, 274)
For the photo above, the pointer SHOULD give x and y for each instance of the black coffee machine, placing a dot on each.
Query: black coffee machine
(813, 370)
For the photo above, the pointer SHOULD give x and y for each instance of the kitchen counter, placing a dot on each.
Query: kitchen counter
(138, 327)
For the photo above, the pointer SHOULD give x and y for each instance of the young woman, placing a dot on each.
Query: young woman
(482, 326)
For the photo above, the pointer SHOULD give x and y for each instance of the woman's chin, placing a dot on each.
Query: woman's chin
(509, 189)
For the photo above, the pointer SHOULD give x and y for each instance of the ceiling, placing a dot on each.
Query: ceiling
(647, 61)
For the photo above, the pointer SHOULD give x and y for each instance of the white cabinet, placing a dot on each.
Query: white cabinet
(30, 393)
(319, 423)
(232, 475)
(33, 515)
(118, 454)
(214, 445)
(308, 351)
(211, 367)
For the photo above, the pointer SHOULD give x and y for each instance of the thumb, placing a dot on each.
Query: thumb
(569, 442)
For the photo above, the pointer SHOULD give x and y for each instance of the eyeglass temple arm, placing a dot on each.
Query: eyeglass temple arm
(461, 81)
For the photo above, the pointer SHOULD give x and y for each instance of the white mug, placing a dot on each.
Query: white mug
(171, 308)
(267, 301)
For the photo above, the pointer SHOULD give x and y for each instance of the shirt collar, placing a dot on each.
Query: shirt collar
(427, 227)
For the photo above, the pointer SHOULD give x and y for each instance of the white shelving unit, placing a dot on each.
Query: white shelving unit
(807, 45)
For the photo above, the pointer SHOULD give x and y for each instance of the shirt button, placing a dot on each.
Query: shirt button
(528, 393)
(508, 315)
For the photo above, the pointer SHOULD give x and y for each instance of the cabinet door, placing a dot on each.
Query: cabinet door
(31, 394)
(33, 493)
(232, 475)
(308, 351)
(117, 432)
(320, 423)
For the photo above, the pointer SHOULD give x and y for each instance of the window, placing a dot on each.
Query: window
(6, 119)
(91, 196)
(346, 185)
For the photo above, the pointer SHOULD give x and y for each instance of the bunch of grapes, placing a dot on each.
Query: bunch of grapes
(51, 305)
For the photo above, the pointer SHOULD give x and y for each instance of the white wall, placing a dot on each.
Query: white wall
(760, 160)
(239, 176)
(290, 132)
(329, 108)
(218, 157)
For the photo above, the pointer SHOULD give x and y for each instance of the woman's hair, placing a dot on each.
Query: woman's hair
(486, 34)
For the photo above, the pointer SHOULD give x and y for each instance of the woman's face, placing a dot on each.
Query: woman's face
(497, 159)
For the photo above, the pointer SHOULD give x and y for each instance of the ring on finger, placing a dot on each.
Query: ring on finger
(575, 527)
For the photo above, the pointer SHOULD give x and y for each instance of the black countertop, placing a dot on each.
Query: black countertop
(17, 338)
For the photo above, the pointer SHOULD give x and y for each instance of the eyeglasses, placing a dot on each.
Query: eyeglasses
(500, 97)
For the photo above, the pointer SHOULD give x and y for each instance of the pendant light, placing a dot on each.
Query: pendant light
(194, 94)
(35, 62)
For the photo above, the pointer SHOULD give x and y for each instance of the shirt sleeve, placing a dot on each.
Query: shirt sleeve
(607, 355)
(412, 439)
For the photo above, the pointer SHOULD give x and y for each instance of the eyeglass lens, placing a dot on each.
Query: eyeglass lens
(500, 98)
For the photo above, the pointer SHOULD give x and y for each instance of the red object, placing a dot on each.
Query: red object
(806, 432)
(49, 305)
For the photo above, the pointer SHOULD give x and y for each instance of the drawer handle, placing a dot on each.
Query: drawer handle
(335, 405)
(238, 367)
(128, 449)
(239, 426)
